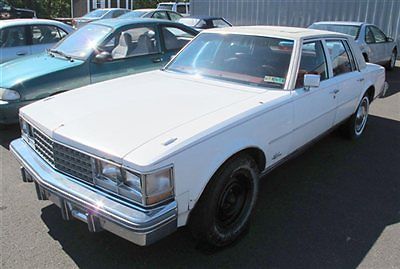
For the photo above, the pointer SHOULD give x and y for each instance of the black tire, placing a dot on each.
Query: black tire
(392, 62)
(366, 57)
(3, 127)
(355, 125)
(223, 211)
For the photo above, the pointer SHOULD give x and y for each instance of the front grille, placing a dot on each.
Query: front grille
(65, 159)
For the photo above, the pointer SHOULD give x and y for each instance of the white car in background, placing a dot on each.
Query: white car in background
(181, 7)
(145, 154)
(22, 37)
(375, 46)
(99, 14)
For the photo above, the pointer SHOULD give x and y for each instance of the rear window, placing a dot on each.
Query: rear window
(352, 30)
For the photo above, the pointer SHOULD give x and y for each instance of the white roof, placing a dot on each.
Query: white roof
(275, 31)
(355, 23)
(16, 22)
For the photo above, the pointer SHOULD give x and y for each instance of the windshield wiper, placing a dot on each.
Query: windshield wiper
(60, 53)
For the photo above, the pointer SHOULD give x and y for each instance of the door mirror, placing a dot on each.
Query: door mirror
(311, 81)
(103, 57)
(389, 39)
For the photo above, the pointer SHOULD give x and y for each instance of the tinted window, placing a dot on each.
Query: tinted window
(132, 42)
(251, 60)
(175, 38)
(339, 56)
(13, 37)
(220, 23)
(118, 13)
(369, 37)
(379, 36)
(181, 9)
(46, 34)
(312, 61)
(174, 16)
(162, 15)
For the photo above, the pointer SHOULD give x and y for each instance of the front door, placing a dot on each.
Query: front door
(314, 108)
(14, 43)
(133, 50)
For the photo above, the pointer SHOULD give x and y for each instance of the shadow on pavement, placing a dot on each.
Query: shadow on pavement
(324, 209)
(393, 78)
(6, 136)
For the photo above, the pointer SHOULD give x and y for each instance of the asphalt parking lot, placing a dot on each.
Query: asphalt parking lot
(335, 206)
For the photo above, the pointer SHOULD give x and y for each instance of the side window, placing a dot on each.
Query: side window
(174, 16)
(162, 15)
(117, 13)
(175, 38)
(341, 63)
(369, 37)
(132, 42)
(312, 61)
(181, 9)
(220, 23)
(379, 36)
(46, 34)
(13, 37)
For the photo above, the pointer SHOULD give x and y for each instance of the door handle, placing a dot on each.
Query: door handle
(335, 91)
(157, 60)
(360, 79)
(21, 53)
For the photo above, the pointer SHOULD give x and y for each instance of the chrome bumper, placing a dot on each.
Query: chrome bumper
(98, 209)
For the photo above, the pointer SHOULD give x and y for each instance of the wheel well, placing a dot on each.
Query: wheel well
(256, 153)
(365, 57)
(370, 93)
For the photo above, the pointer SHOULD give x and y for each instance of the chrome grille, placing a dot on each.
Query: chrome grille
(44, 146)
(65, 159)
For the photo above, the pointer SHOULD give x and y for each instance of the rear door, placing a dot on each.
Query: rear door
(134, 49)
(14, 43)
(45, 37)
(385, 47)
(346, 78)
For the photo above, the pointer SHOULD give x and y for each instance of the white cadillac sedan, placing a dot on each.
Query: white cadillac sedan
(145, 154)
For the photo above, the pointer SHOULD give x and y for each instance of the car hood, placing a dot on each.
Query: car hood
(113, 118)
(15, 73)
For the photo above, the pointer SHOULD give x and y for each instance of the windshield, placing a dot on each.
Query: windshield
(96, 13)
(165, 6)
(81, 43)
(189, 21)
(132, 15)
(352, 30)
(251, 60)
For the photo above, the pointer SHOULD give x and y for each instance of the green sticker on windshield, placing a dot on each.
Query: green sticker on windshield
(276, 80)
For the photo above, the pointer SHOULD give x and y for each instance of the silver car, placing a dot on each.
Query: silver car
(374, 44)
(98, 14)
(22, 37)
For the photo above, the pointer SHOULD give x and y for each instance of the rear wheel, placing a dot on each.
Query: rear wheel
(392, 62)
(222, 214)
(355, 126)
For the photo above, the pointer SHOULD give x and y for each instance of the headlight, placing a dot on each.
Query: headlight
(26, 130)
(149, 189)
(9, 95)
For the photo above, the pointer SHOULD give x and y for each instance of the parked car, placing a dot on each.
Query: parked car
(201, 23)
(9, 12)
(161, 14)
(145, 154)
(22, 37)
(98, 14)
(99, 51)
(374, 44)
(180, 7)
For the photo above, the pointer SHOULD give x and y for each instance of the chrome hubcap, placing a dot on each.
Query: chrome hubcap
(361, 116)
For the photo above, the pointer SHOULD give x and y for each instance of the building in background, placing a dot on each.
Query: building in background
(81, 7)
(384, 13)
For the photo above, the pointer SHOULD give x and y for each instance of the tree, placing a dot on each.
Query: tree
(45, 8)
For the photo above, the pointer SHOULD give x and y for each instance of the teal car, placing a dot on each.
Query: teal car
(96, 52)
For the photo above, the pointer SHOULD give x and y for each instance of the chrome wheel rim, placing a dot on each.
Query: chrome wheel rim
(362, 115)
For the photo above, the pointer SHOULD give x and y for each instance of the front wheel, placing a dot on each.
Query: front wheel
(222, 214)
(392, 62)
(355, 126)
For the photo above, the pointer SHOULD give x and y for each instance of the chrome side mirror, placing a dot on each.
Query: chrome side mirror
(103, 57)
(311, 81)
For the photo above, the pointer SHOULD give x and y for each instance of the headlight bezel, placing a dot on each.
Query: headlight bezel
(13, 95)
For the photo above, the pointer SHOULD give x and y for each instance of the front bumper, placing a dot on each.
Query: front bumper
(99, 210)
(9, 111)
